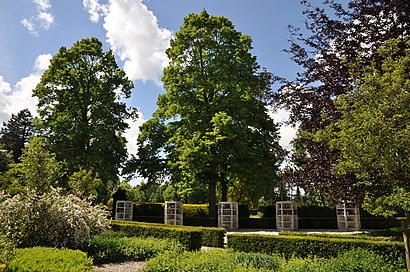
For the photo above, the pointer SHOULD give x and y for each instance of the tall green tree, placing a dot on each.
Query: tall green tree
(373, 134)
(82, 116)
(211, 126)
(335, 35)
(38, 170)
(16, 132)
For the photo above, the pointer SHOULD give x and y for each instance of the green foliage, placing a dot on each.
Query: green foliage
(373, 132)
(195, 210)
(189, 237)
(16, 133)
(106, 249)
(81, 112)
(6, 249)
(211, 126)
(307, 246)
(84, 183)
(212, 237)
(50, 219)
(43, 259)
(30, 172)
(148, 209)
(212, 260)
(362, 236)
(351, 261)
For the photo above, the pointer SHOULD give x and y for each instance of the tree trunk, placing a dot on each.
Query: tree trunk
(406, 235)
(224, 188)
(212, 198)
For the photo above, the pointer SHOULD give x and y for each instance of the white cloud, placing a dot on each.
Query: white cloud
(42, 62)
(42, 20)
(131, 134)
(134, 35)
(42, 4)
(14, 99)
(287, 132)
(95, 9)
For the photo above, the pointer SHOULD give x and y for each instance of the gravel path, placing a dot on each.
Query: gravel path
(123, 267)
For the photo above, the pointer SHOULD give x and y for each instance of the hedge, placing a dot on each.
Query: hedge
(191, 237)
(106, 249)
(212, 260)
(45, 259)
(362, 236)
(308, 246)
(188, 237)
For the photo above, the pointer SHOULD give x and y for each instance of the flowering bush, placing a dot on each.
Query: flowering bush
(50, 219)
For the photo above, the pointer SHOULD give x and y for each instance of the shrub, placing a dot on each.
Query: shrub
(148, 209)
(189, 237)
(50, 219)
(350, 261)
(106, 249)
(43, 259)
(213, 237)
(195, 210)
(307, 246)
(212, 260)
(6, 250)
(362, 236)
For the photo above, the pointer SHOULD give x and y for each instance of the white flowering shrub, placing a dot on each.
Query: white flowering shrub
(50, 219)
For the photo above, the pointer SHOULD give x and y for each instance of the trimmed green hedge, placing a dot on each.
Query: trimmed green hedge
(362, 236)
(105, 249)
(354, 260)
(191, 237)
(148, 209)
(44, 259)
(212, 260)
(307, 246)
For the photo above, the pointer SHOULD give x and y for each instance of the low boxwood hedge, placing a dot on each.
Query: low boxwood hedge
(212, 260)
(362, 236)
(110, 249)
(45, 259)
(308, 246)
(191, 237)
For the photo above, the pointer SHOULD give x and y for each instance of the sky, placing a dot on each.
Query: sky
(138, 32)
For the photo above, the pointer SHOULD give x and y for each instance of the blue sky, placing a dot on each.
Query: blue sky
(31, 31)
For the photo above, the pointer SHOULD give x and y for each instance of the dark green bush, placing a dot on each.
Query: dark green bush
(189, 237)
(195, 210)
(149, 219)
(307, 246)
(351, 261)
(362, 236)
(186, 235)
(44, 259)
(212, 260)
(317, 222)
(109, 249)
(316, 211)
(200, 221)
(243, 211)
(257, 223)
(212, 237)
(148, 209)
(268, 211)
